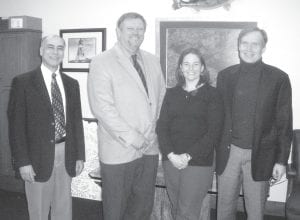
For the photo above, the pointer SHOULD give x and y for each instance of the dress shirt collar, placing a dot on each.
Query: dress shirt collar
(127, 54)
(47, 74)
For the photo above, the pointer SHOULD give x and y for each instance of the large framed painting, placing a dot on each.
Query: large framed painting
(81, 46)
(217, 41)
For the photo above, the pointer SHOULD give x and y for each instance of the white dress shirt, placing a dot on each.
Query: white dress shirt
(47, 75)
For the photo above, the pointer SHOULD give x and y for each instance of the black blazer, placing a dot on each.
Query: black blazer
(272, 122)
(32, 127)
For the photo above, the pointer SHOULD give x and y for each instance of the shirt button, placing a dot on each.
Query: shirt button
(53, 123)
(228, 147)
(52, 141)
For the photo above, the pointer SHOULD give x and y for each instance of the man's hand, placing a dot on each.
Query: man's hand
(79, 167)
(278, 171)
(27, 173)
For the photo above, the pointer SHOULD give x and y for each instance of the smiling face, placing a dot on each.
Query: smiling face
(52, 52)
(251, 47)
(191, 68)
(131, 34)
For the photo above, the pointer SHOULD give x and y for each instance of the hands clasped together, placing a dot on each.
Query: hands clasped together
(180, 161)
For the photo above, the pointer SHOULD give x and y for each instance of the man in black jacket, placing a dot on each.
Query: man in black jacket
(257, 131)
(46, 133)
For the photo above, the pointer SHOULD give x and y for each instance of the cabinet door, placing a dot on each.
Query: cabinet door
(18, 54)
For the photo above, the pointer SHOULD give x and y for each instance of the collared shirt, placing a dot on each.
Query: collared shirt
(47, 75)
(138, 57)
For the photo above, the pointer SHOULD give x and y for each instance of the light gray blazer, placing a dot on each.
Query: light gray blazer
(120, 103)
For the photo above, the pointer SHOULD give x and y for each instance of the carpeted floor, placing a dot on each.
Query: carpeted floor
(13, 207)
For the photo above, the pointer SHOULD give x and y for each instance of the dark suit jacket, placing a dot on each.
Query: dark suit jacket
(272, 122)
(32, 127)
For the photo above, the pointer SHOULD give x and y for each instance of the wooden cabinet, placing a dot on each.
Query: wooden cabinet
(19, 53)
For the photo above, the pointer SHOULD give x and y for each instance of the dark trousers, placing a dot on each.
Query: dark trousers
(292, 203)
(128, 189)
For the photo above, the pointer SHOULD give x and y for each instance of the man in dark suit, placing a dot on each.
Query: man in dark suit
(257, 131)
(46, 133)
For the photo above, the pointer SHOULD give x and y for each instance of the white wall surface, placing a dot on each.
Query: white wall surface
(280, 18)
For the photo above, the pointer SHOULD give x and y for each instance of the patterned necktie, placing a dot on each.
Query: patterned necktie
(140, 71)
(58, 109)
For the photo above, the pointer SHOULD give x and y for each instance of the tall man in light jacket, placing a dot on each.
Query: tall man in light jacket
(126, 88)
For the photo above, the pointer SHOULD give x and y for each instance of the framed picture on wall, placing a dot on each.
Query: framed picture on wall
(217, 41)
(81, 46)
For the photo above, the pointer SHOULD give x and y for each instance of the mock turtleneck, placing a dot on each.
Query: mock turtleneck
(250, 67)
(244, 103)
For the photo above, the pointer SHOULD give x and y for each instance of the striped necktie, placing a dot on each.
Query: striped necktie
(58, 109)
(139, 70)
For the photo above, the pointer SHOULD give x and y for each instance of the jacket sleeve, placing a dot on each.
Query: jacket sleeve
(215, 125)
(284, 121)
(17, 124)
(104, 108)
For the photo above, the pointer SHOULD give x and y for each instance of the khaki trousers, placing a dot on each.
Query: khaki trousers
(54, 195)
(236, 174)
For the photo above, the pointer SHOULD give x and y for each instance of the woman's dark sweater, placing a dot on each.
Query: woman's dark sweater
(190, 122)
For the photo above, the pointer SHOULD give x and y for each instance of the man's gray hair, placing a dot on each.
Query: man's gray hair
(44, 39)
(254, 29)
(131, 15)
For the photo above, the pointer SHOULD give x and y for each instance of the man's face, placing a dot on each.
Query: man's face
(52, 52)
(251, 47)
(131, 34)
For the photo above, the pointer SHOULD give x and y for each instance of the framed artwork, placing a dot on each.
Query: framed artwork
(217, 41)
(81, 46)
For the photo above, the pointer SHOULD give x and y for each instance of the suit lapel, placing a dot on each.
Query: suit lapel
(41, 89)
(148, 70)
(260, 97)
(130, 70)
(232, 85)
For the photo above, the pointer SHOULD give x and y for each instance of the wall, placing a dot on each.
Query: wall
(279, 18)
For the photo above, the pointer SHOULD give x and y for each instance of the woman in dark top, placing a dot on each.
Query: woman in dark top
(188, 129)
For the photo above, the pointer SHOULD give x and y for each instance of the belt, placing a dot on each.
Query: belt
(63, 139)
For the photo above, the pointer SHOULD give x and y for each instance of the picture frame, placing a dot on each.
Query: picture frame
(217, 41)
(81, 46)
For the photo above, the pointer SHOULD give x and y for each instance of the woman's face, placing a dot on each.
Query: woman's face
(191, 68)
